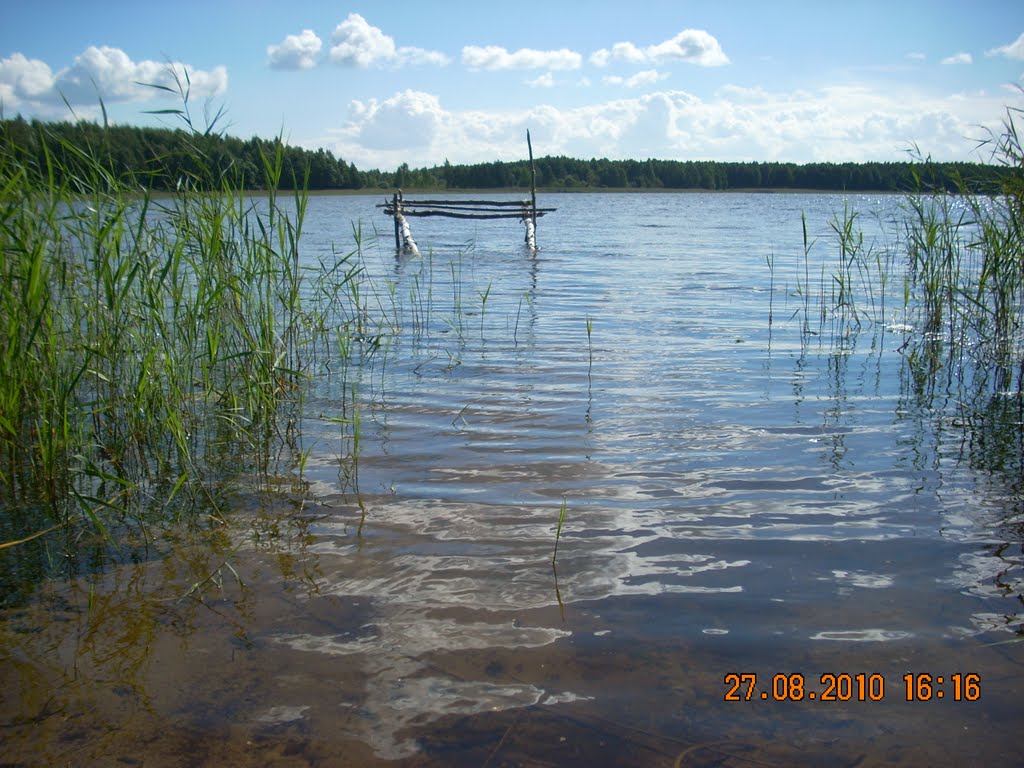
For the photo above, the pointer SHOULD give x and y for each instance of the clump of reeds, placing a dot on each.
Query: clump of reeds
(967, 271)
(149, 346)
(963, 273)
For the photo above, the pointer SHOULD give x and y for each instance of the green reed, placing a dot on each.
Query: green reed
(860, 280)
(967, 272)
(803, 288)
(961, 258)
(149, 346)
(851, 242)
(558, 531)
(484, 295)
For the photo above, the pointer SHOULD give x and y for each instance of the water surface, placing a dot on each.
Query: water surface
(743, 494)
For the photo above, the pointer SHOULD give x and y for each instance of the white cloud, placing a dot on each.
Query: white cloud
(547, 80)
(416, 56)
(829, 124)
(916, 56)
(110, 73)
(295, 51)
(694, 46)
(408, 120)
(629, 53)
(640, 79)
(958, 58)
(99, 73)
(1014, 50)
(358, 43)
(23, 79)
(496, 57)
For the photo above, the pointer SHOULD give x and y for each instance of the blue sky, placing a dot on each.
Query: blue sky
(420, 82)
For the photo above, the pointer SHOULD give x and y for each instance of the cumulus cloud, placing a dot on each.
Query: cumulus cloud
(1014, 50)
(408, 120)
(413, 126)
(23, 79)
(547, 80)
(694, 46)
(640, 79)
(496, 57)
(100, 73)
(958, 58)
(829, 124)
(357, 43)
(295, 51)
(629, 53)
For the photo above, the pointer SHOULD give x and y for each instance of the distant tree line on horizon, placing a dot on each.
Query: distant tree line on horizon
(164, 158)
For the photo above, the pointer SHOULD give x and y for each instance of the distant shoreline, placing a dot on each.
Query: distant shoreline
(166, 160)
(600, 190)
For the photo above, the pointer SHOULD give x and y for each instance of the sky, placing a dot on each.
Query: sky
(421, 82)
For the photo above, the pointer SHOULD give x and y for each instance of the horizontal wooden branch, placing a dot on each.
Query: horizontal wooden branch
(466, 202)
(454, 215)
(390, 209)
(418, 204)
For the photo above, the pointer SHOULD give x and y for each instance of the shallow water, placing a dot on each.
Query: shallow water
(741, 498)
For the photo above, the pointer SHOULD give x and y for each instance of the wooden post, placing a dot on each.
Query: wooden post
(528, 219)
(396, 203)
(533, 185)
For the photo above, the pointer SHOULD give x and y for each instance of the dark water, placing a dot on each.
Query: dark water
(741, 497)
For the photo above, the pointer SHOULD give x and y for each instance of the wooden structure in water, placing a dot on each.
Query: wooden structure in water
(525, 210)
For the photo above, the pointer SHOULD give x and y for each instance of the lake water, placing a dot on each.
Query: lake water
(743, 495)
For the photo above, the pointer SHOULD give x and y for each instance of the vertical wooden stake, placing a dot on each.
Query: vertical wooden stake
(533, 183)
(396, 204)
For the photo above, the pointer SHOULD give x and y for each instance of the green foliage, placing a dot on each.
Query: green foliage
(159, 158)
(558, 531)
(961, 258)
(570, 173)
(152, 348)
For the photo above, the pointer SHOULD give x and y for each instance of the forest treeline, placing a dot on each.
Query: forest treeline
(165, 158)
